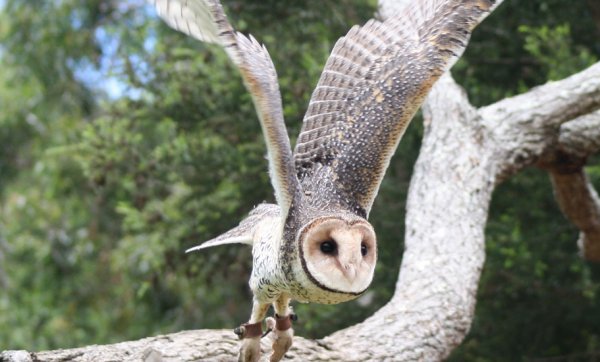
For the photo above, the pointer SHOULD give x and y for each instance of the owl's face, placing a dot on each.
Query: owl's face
(339, 254)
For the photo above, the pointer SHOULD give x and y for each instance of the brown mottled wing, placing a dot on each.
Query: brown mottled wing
(373, 83)
(205, 20)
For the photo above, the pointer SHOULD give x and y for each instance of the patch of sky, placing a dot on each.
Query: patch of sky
(109, 74)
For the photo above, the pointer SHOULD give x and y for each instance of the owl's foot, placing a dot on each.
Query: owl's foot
(282, 335)
(250, 333)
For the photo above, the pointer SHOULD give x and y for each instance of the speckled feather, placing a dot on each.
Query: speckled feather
(374, 81)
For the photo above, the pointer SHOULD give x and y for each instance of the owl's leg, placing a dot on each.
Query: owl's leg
(251, 332)
(281, 326)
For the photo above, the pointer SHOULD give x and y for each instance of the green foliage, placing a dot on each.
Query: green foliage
(496, 63)
(101, 191)
(554, 50)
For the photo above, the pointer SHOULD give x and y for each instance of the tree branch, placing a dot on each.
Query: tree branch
(580, 203)
(581, 136)
(574, 192)
(524, 126)
(200, 345)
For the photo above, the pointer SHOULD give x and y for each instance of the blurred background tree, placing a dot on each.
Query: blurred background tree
(122, 143)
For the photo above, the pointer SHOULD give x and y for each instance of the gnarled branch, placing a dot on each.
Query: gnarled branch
(575, 194)
(579, 201)
(200, 345)
(525, 126)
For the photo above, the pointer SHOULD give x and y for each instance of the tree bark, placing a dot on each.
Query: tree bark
(466, 152)
(580, 203)
(199, 345)
(575, 194)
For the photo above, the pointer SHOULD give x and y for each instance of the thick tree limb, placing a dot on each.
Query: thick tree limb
(200, 345)
(580, 203)
(575, 194)
(525, 126)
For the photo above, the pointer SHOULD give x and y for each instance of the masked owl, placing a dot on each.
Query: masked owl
(315, 244)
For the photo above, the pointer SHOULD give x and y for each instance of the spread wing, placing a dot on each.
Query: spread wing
(244, 232)
(205, 20)
(373, 83)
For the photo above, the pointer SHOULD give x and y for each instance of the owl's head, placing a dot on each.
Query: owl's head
(339, 254)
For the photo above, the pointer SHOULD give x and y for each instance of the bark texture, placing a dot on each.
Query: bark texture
(466, 153)
(199, 345)
(580, 203)
(576, 196)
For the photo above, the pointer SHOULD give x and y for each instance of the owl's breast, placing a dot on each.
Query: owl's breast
(267, 281)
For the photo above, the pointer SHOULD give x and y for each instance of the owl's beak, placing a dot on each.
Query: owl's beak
(350, 256)
(349, 271)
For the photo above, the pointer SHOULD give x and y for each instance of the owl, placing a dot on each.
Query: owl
(315, 244)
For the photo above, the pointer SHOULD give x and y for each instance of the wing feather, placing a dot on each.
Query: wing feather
(205, 20)
(373, 83)
(244, 232)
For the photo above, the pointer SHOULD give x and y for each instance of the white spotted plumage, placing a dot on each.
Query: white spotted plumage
(316, 245)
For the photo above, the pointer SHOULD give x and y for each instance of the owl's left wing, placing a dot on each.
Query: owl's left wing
(205, 20)
(373, 83)
(244, 232)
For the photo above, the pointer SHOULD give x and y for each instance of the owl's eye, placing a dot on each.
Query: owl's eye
(363, 249)
(328, 247)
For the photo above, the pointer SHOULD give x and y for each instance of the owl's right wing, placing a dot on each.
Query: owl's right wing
(374, 81)
(205, 20)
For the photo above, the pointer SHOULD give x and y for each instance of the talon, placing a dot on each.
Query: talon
(239, 331)
(270, 321)
(249, 330)
(266, 332)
